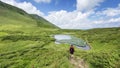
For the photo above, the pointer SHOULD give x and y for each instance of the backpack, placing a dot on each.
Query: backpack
(71, 49)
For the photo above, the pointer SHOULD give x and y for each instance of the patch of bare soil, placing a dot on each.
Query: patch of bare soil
(77, 62)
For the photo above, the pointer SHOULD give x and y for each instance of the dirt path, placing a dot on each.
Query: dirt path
(77, 62)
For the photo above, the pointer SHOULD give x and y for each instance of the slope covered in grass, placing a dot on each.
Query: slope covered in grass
(42, 22)
(14, 17)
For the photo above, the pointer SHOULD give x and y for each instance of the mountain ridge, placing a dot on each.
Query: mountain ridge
(14, 13)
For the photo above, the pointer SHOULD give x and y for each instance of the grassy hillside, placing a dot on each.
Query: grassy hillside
(25, 45)
(16, 18)
(42, 22)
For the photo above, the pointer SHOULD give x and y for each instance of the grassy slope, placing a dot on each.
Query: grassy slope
(17, 18)
(42, 22)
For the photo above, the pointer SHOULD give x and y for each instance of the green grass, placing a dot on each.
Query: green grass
(105, 47)
(28, 48)
(33, 53)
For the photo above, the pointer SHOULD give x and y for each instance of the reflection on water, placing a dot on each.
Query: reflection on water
(62, 37)
(79, 43)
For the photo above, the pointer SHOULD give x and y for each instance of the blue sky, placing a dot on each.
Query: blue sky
(74, 14)
(54, 5)
(68, 5)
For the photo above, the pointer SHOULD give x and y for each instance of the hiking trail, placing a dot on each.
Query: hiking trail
(77, 62)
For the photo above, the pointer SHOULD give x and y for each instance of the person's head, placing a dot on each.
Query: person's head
(71, 45)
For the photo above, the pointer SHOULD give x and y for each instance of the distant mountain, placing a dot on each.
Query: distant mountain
(11, 15)
(42, 22)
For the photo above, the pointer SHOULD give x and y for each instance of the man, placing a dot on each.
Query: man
(71, 50)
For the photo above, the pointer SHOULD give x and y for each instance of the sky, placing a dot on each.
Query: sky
(74, 14)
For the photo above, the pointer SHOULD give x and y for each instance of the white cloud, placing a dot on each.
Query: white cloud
(111, 12)
(26, 6)
(42, 1)
(111, 20)
(85, 5)
(71, 20)
(109, 17)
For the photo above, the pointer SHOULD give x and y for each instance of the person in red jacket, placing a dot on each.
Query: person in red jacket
(71, 50)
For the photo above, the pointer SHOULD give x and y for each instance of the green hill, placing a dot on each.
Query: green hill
(42, 22)
(14, 17)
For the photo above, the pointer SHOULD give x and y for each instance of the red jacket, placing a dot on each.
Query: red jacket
(71, 50)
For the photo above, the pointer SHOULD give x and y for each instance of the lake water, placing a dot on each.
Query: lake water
(61, 37)
(71, 40)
